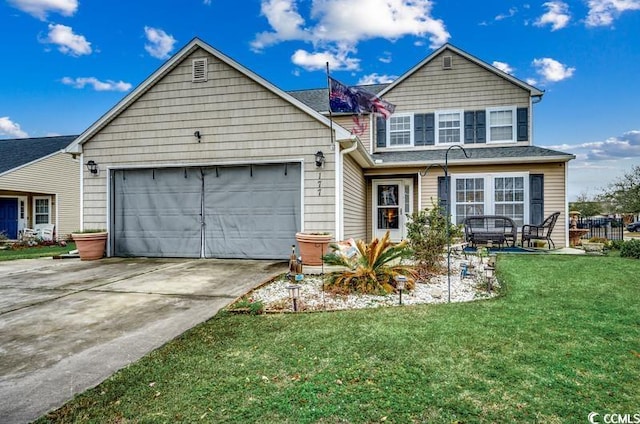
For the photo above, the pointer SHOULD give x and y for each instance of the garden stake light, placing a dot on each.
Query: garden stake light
(294, 295)
(400, 284)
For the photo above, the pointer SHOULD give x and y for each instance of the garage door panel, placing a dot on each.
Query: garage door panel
(252, 211)
(157, 212)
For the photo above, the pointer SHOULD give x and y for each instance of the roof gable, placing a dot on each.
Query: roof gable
(171, 64)
(531, 89)
(18, 152)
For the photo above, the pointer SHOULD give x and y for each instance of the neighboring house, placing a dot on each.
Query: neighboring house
(207, 159)
(39, 184)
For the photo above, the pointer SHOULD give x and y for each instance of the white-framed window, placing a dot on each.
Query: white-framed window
(41, 210)
(504, 194)
(400, 131)
(449, 127)
(501, 124)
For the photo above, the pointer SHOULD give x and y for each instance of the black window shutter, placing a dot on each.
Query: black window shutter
(430, 129)
(419, 138)
(536, 199)
(481, 126)
(523, 123)
(443, 195)
(381, 132)
(469, 126)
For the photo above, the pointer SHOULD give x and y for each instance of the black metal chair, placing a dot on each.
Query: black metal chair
(540, 232)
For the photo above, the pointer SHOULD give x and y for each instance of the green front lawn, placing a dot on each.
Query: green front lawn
(562, 341)
(35, 252)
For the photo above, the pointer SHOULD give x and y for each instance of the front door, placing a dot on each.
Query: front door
(393, 201)
(9, 217)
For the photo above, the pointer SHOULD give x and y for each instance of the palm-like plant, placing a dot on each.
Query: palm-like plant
(371, 272)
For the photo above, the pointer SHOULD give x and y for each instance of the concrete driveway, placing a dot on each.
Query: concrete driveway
(66, 325)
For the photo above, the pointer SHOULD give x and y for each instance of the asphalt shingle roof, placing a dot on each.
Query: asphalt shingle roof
(19, 151)
(318, 98)
(438, 155)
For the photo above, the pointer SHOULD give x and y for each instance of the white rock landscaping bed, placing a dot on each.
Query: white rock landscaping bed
(275, 295)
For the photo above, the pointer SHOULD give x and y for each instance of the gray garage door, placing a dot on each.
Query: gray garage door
(215, 212)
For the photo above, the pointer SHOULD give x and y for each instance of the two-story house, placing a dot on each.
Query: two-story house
(207, 159)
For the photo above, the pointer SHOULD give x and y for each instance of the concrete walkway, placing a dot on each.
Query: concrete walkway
(66, 325)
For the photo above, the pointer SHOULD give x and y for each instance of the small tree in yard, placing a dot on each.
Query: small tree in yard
(427, 235)
(624, 193)
(371, 272)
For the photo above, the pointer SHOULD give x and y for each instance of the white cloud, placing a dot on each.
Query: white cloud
(40, 8)
(551, 70)
(531, 81)
(159, 43)
(386, 58)
(557, 15)
(604, 12)
(504, 67)
(338, 61)
(10, 128)
(376, 79)
(97, 85)
(598, 162)
(67, 42)
(347, 22)
(510, 14)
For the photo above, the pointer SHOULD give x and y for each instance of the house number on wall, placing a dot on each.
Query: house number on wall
(319, 183)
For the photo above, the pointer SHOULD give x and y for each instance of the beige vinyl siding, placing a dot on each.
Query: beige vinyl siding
(347, 123)
(56, 176)
(554, 188)
(354, 201)
(240, 122)
(467, 86)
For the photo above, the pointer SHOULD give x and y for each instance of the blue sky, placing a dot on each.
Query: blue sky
(66, 63)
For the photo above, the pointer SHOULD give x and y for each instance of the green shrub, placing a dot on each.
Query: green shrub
(616, 244)
(371, 272)
(252, 306)
(630, 249)
(427, 236)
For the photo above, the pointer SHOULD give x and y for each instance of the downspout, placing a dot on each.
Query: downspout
(340, 188)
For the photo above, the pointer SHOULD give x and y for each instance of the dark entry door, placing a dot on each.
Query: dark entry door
(9, 217)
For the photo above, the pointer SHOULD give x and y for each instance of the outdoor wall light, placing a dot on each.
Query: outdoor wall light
(294, 295)
(92, 167)
(198, 135)
(401, 281)
(319, 158)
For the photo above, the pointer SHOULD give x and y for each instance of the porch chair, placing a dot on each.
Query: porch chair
(540, 232)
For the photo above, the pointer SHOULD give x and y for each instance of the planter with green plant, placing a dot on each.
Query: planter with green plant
(91, 243)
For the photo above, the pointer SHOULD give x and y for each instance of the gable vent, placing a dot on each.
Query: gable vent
(199, 70)
(447, 62)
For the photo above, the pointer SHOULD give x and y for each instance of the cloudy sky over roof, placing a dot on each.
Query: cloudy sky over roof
(66, 62)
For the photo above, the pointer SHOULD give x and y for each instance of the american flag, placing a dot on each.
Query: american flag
(344, 99)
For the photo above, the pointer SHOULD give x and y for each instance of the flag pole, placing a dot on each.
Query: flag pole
(333, 146)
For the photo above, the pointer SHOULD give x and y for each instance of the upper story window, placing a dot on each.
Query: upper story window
(448, 127)
(501, 126)
(400, 130)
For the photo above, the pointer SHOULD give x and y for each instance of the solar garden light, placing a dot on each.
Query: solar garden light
(294, 295)
(401, 280)
(489, 271)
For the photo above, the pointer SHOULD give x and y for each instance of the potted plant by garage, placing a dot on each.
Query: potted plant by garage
(313, 246)
(91, 244)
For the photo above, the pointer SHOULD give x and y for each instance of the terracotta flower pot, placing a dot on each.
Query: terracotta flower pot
(91, 246)
(313, 247)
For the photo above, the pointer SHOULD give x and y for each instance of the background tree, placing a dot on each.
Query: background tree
(587, 207)
(624, 193)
